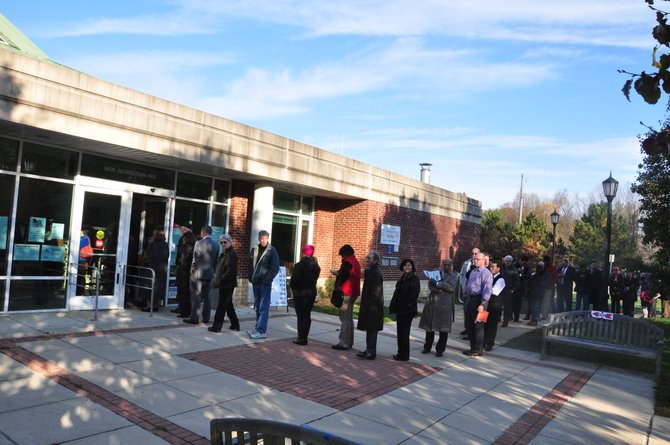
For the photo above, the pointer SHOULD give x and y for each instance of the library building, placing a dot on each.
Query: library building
(84, 162)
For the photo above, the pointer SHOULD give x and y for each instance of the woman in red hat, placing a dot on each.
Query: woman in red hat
(303, 284)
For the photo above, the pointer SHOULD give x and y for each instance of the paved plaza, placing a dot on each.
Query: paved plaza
(128, 378)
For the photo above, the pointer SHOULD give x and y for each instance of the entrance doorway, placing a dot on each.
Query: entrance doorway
(118, 222)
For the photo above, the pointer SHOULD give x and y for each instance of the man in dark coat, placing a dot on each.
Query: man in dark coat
(205, 254)
(263, 268)
(303, 285)
(512, 297)
(438, 312)
(564, 286)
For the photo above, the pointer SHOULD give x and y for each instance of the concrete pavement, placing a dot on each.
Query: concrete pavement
(129, 378)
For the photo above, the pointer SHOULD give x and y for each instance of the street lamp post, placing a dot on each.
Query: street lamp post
(554, 221)
(610, 186)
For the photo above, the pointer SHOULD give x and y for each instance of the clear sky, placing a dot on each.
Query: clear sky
(484, 90)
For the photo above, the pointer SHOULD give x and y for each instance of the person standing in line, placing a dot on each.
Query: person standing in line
(478, 288)
(205, 254)
(564, 286)
(438, 312)
(466, 268)
(404, 305)
(548, 304)
(157, 255)
(303, 285)
(225, 279)
(581, 292)
(371, 314)
(537, 287)
(617, 289)
(512, 282)
(348, 280)
(594, 286)
(183, 270)
(263, 268)
(525, 272)
(631, 284)
(499, 293)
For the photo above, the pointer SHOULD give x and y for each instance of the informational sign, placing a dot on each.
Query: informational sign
(602, 315)
(57, 231)
(37, 228)
(3, 232)
(390, 235)
(432, 274)
(172, 292)
(26, 252)
(217, 231)
(279, 297)
(54, 254)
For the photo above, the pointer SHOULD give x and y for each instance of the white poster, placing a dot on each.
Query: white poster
(26, 252)
(57, 231)
(37, 229)
(54, 254)
(278, 297)
(390, 235)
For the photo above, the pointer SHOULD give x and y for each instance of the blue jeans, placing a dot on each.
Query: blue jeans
(262, 306)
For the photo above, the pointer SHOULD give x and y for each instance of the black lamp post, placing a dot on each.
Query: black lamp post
(610, 186)
(554, 221)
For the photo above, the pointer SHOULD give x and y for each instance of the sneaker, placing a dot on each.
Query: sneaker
(257, 335)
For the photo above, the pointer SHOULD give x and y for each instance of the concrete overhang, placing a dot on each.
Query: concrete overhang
(50, 104)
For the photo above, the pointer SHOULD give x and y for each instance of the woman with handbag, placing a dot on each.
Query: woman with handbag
(303, 285)
(349, 282)
(404, 305)
(371, 315)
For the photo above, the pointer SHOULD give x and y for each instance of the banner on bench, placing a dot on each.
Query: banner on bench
(603, 315)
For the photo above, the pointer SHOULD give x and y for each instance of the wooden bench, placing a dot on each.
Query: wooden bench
(241, 431)
(622, 334)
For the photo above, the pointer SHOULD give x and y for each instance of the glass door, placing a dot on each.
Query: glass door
(101, 223)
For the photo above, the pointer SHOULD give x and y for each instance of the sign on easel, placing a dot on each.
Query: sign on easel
(279, 296)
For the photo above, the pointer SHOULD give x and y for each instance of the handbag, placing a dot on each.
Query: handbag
(337, 298)
(86, 251)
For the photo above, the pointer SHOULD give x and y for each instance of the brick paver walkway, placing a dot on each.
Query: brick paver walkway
(337, 379)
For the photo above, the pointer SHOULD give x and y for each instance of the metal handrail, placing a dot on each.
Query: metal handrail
(139, 277)
(96, 274)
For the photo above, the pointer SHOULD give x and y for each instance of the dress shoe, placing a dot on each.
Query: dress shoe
(473, 353)
(365, 356)
(400, 359)
(463, 332)
(213, 329)
(176, 311)
(488, 348)
(425, 351)
(439, 353)
(505, 324)
(339, 347)
(300, 342)
(146, 309)
(234, 328)
(189, 321)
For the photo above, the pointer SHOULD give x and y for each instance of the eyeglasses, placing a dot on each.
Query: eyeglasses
(224, 242)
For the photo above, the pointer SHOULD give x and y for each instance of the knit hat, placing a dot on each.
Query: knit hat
(308, 250)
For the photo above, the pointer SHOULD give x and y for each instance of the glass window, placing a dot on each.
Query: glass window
(3, 286)
(48, 161)
(189, 212)
(191, 186)
(284, 232)
(116, 170)
(286, 202)
(307, 205)
(41, 239)
(221, 191)
(8, 154)
(36, 294)
(219, 216)
(6, 198)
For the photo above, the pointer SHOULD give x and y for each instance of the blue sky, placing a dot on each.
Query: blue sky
(485, 91)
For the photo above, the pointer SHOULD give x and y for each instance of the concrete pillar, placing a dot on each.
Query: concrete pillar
(261, 219)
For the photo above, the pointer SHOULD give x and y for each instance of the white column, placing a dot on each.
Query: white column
(261, 215)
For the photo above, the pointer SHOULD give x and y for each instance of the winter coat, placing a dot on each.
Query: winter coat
(264, 269)
(225, 276)
(405, 296)
(304, 277)
(371, 314)
(438, 312)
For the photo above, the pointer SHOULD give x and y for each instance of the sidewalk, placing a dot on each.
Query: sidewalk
(129, 378)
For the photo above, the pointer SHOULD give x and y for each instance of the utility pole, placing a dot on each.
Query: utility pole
(521, 200)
